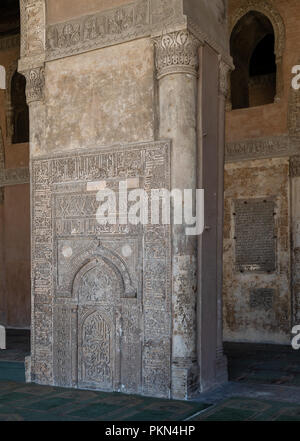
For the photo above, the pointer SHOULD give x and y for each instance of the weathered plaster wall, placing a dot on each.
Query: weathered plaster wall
(247, 180)
(100, 98)
(58, 10)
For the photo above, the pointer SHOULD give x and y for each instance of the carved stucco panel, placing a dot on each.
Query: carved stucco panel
(124, 23)
(94, 292)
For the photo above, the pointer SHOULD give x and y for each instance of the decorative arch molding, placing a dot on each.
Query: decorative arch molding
(108, 270)
(91, 258)
(265, 7)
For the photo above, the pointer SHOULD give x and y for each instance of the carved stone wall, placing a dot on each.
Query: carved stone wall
(103, 291)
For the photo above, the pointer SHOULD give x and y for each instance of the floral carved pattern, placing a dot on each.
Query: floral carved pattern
(176, 52)
(95, 350)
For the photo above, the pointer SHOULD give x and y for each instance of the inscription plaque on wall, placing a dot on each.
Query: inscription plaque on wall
(255, 247)
(262, 299)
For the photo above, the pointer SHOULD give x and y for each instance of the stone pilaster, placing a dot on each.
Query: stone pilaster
(177, 64)
(39, 367)
(31, 65)
(35, 85)
(221, 360)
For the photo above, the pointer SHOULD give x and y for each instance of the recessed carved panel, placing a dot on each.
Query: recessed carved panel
(96, 361)
(98, 284)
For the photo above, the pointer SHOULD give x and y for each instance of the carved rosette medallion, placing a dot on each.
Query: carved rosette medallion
(35, 82)
(176, 52)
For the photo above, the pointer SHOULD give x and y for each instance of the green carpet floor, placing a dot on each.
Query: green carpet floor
(263, 364)
(12, 371)
(29, 402)
(247, 409)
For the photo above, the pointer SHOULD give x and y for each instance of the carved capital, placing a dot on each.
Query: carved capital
(176, 52)
(295, 167)
(35, 82)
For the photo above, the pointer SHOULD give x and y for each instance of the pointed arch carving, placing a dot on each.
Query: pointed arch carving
(109, 260)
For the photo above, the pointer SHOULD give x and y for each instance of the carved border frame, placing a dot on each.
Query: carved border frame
(77, 167)
(265, 147)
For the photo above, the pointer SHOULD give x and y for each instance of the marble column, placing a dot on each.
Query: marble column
(177, 69)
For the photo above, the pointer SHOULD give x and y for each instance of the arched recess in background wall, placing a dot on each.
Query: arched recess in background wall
(257, 45)
(20, 111)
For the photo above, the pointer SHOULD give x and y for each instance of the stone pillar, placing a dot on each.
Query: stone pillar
(39, 362)
(177, 63)
(221, 360)
(295, 189)
(32, 66)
